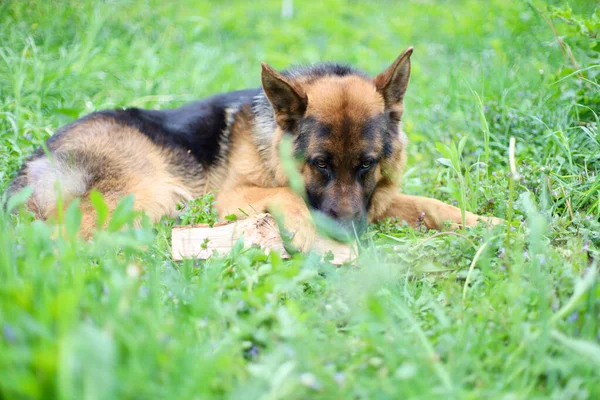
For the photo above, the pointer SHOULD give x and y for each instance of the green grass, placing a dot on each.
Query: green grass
(510, 313)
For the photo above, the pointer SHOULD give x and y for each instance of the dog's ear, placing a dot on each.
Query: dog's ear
(392, 83)
(287, 97)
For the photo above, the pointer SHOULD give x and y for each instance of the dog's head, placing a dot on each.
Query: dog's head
(346, 132)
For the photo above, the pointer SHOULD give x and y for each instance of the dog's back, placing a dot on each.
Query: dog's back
(161, 157)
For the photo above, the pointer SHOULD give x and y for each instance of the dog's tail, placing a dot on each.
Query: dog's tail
(60, 177)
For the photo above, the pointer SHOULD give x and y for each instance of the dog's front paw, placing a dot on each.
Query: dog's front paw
(298, 232)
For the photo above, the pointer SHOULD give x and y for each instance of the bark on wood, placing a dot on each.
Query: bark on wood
(201, 241)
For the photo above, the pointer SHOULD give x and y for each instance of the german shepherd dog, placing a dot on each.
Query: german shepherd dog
(347, 140)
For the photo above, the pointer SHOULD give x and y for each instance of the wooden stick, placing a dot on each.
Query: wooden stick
(201, 241)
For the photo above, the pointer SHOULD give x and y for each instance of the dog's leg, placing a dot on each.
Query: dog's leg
(249, 200)
(433, 213)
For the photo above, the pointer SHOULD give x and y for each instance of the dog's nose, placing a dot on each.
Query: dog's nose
(343, 214)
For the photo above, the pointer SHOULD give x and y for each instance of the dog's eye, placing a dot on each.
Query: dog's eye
(366, 165)
(321, 164)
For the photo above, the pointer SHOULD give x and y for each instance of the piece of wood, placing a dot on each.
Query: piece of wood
(201, 241)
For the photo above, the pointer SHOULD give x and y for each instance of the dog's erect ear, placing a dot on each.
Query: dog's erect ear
(287, 97)
(392, 83)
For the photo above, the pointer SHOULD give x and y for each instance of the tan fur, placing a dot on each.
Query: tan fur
(433, 213)
(331, 98)
(140, 168)
(250, 187)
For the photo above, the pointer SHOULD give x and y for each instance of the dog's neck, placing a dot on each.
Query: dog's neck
(264, 125)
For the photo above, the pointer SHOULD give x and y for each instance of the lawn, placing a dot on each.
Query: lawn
(508, 313)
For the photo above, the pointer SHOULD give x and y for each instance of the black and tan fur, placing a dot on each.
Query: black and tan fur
(345, 128)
